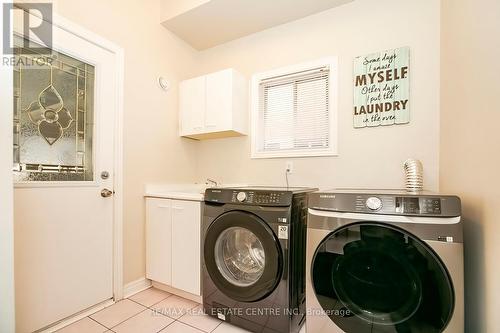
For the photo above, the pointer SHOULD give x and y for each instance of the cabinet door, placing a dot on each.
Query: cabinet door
(158, 240)
(192, 105)
(186, 238)
(218, 115)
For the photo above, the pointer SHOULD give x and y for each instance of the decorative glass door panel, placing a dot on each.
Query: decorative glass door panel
(53, 117)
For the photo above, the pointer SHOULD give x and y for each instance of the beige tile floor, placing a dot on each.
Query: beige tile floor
(149, 311)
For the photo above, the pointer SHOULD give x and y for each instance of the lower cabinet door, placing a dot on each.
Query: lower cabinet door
(158, 240)
(186, 238)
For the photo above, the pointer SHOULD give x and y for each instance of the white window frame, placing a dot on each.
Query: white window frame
(332, 150)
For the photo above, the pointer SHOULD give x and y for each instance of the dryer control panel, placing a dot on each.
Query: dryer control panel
(387, 204)
(416, 205)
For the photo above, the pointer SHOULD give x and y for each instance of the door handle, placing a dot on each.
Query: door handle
(105, 193)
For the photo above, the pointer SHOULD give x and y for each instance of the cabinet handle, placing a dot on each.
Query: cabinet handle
(161, 206)
(211, 125)
(178, 208)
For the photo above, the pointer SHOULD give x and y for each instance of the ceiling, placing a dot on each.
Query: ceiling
(209, 23)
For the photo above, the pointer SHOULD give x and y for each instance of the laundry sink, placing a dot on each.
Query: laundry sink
(180, 191)
(176, 191)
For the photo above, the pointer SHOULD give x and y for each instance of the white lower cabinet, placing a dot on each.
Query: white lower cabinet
(159, 240)
(186, 222)
(173, 243)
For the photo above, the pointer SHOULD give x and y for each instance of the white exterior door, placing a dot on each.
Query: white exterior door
(7, 322)
(64, 130)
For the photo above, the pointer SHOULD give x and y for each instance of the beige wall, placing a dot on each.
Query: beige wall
(470, 146)
(370, 157)
(152, 150)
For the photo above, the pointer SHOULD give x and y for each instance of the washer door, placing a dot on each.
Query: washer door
(243, 256)
(375, 277)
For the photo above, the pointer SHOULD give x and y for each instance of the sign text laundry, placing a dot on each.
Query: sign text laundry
(381, 88)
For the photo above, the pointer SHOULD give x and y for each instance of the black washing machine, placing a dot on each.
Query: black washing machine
(254, 241)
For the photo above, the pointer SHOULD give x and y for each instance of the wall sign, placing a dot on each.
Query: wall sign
(382, 88)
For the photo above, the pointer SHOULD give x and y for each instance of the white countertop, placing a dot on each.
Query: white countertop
(194, 192)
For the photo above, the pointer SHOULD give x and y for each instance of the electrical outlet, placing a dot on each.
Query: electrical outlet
(289, 167)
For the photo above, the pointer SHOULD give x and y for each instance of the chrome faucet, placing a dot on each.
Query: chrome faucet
(211, 182)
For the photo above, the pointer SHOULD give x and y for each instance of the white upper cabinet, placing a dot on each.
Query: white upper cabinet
(214, 105)
(192, 100)
(218, 100)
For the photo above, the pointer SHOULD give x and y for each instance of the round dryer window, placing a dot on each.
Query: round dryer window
(374, 277)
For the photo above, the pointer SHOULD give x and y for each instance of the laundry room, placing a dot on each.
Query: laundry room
(284, 166)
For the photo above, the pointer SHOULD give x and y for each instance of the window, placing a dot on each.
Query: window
(294, 111)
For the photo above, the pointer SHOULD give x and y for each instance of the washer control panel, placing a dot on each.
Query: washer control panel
(259, 197)
(249, 197)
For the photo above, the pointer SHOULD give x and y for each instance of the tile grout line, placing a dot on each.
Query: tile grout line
(129, 318)
(146, 309)
(178, 319)
(159, 312)
(182, 315)
(198, 304)
(204, 314)
(107, 328)
(199, 329)
(173, 321)
(150, 308)
(122, 320)
(220, 323)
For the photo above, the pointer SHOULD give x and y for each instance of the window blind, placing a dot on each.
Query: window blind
(294, 112)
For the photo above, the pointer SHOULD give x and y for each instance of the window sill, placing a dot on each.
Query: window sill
(294, 153)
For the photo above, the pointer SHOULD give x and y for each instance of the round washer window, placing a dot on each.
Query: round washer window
(240, 256)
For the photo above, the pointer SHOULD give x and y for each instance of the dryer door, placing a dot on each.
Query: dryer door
(243, 256)
(374, 277)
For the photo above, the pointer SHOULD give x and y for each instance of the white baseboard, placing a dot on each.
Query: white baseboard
(178, 292)
(136, 286)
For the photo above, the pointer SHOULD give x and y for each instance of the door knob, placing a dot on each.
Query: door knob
(106, 193)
